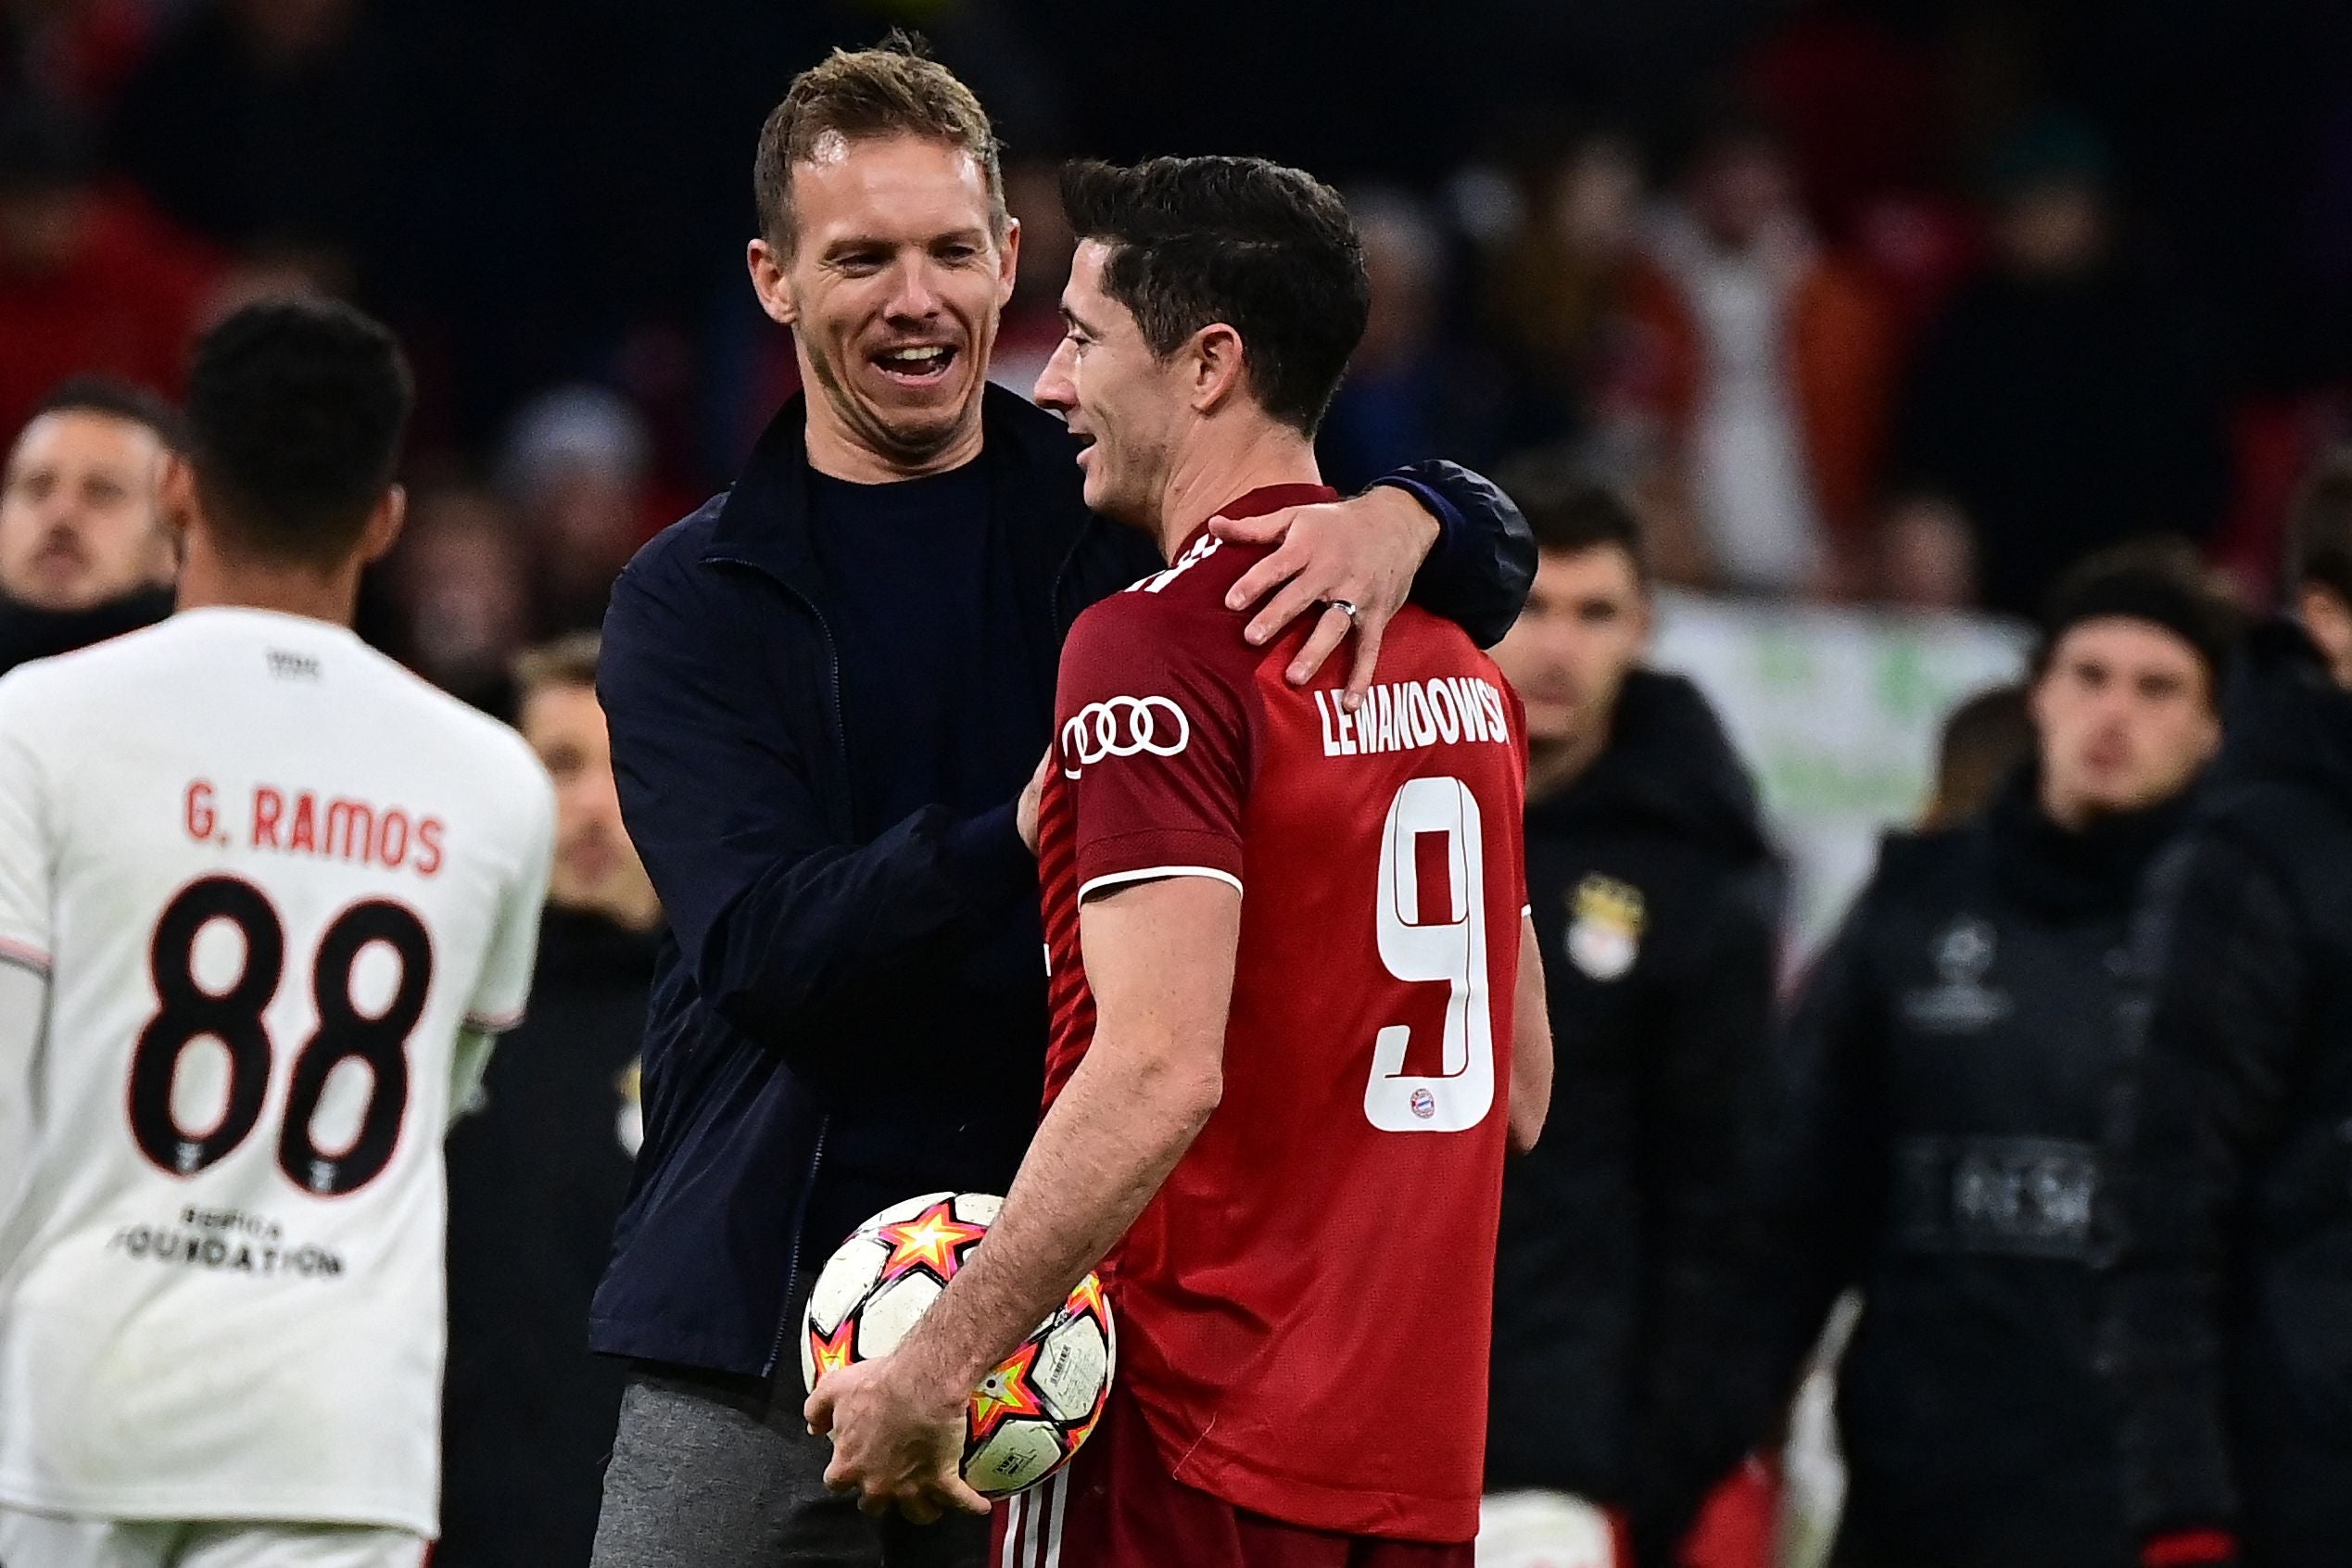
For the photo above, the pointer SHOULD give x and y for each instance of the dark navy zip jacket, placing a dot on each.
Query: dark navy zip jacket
(721, 681)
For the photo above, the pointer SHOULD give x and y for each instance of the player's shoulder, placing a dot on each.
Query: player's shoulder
(462, 730)
(1189, 589)
(64, 681)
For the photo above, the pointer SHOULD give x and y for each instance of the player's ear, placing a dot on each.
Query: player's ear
(383, 524)
(1008, 262)
(175, 496)
(767, 266)
(1217, 366)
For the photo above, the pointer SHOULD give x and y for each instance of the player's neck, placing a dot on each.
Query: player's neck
(1217, 468)
(209, 579)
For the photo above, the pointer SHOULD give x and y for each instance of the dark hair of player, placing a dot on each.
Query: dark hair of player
(295, 410)
(116, 400)
(1269, 251)
(1984, 739)
(2159, 581)
(1570, 514)
(566, 663)
(893, 89)
(2320, 528)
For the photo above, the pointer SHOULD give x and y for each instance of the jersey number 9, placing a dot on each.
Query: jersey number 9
(1451, 949)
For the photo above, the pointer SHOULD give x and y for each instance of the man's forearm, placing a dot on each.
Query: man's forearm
(1117, 1130)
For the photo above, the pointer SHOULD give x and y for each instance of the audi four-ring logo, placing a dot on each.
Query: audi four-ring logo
(1120, 727)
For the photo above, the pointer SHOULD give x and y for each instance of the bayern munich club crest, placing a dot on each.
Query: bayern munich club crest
(1425, 1104)
(1123, 726)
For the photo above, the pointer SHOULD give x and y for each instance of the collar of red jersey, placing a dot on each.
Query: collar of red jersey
(1275, 497)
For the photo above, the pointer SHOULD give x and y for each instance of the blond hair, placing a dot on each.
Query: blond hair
(893, 89)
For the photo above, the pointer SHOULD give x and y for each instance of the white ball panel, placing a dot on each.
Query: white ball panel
(1016, 1455)
(1072, 1368)
(845, 1279)
(979, 1208)
(889, 1315)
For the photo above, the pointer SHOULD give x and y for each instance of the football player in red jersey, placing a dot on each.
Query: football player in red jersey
(1278, 1119)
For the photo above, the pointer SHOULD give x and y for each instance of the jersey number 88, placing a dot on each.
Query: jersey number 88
(186, 1012)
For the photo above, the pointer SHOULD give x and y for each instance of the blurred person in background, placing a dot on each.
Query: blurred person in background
(1954, 1055)
(1924, 557)
(92, 280)
(1032, 328)
(1626, 1353)
(78, 51)
(2063, 400)
(540, 1166)
(86, 551)
(575, 469)
(301, 119)
(2224, 1328)
(1770, 362)
(1410, 393)
(461, 596)
(1985, 740)
(1553, 294)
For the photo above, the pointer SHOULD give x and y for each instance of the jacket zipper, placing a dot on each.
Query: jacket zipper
(824, 1125)
(792, 1274)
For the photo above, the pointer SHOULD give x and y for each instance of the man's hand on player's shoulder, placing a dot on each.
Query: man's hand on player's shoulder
(898, 1439)
(1363, 552)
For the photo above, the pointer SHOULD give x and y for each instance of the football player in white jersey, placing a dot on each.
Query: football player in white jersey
(265, 899)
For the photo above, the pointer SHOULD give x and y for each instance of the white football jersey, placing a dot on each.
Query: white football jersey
(271, 875)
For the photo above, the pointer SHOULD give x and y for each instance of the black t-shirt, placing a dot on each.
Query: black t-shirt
(941, 705)
(937, 690)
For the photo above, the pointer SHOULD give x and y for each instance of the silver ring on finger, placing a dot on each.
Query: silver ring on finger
(1345, 607)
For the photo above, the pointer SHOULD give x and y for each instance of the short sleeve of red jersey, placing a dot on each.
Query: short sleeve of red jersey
(1152, 735)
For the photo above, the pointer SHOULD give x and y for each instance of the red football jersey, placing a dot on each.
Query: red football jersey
(1305, 1306)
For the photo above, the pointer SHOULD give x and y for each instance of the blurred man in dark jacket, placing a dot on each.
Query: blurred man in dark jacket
(2065, 399)
(1954, 1053)
(84, 553)
(2229, 1320)
(540, 1166)
(1630, 1240)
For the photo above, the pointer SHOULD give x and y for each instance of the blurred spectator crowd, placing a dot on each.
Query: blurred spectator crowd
(1902, 303)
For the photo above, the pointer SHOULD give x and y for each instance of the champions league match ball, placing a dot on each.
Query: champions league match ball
(1029, 1415)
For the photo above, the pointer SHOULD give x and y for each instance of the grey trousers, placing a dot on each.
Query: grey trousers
(706, 1473)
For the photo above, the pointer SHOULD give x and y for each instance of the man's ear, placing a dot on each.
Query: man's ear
(383, 524)
(1008, 262)
(767, 266)
(1217, 366)
(175, 496)
(2329, 620)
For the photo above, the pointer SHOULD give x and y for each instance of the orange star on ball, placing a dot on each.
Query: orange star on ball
(934, 1240)
(1007, 1393)
(834, 1351)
